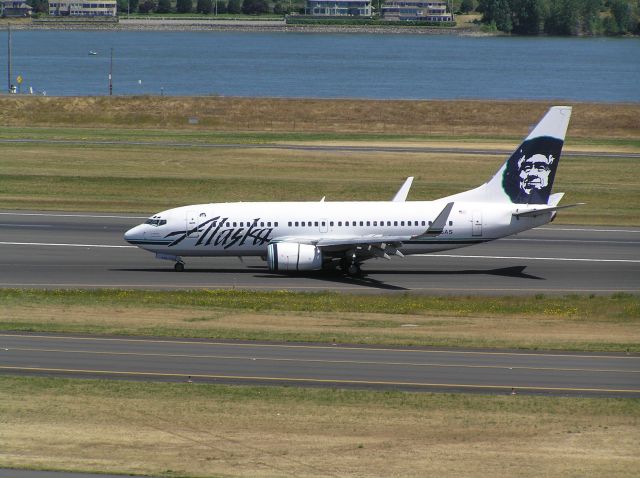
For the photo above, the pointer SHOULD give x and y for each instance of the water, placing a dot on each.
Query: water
(326, 65)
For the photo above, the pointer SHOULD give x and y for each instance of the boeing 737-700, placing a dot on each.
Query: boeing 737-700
(308, 236)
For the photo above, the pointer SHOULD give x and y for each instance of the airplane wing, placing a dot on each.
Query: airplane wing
(364, 247)
(371, 245)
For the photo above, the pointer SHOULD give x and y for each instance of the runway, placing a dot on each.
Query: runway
(84, 250)
(321, 365)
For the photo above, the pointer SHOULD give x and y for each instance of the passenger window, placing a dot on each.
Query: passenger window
(368, 223)
(324, 223)
(215, 223)
(361, 223)
(289, 223)
(262, 224)
(315, 223)
(451, 223)
(234, 224)
(302, 223)
(269, 224)
(375, 223)
(331, 223)
(296, 223)
(395, 223)
(430, 223)
(340, 223)
(275, 224)
(423, 223)
(402, 223)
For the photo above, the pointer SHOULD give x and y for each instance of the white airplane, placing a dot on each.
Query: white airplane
(309, 236)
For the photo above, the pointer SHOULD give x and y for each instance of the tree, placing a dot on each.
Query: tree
(148, 6)
(590, 16)
(222, 6)
(466, 6)
(498, 12)
(164, 6)
(39, 6)
(621, 13)
(184, 6)
(234, 6)
(563, 18)
(528, 16)
(204, 6)
(255, 7)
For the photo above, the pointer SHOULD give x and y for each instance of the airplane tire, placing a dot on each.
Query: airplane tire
(178, 267)
(354, 270)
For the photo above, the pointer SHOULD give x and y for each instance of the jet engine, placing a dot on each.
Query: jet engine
(291, 256)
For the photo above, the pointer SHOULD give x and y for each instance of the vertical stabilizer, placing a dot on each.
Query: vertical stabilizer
(527, 176)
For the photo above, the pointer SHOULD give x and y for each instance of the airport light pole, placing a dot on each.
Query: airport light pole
(111, 74)
(9, 57)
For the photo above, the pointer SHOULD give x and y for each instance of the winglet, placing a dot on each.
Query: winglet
(401, 195)
(438, 225)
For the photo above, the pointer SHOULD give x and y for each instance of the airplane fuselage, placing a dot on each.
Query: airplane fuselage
(246, 229)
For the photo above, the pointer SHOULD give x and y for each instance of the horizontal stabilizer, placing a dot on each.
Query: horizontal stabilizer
(543, 210)
(403, 192)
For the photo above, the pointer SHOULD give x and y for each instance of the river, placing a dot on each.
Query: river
(325, 65)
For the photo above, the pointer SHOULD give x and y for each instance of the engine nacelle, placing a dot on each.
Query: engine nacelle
(291, 256)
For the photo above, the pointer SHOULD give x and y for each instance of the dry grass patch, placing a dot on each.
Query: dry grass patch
(556, 327)
(205, 430)
(433, 117)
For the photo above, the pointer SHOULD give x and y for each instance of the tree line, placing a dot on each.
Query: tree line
(558, 17)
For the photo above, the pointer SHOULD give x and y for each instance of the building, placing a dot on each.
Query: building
(416, 10)
(75, 8)
(14, 8)
(339, 8)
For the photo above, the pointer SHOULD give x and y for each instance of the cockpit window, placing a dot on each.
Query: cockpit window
(156, 222)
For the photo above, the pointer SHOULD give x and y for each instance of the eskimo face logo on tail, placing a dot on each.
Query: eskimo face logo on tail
(530, 171)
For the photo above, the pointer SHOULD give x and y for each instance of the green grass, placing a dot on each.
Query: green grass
(617, 307)
(93, 177)
(572, 322)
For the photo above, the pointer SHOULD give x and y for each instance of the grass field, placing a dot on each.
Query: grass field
(205, 430)
(593, 323)
(73, 174)
(211, 430)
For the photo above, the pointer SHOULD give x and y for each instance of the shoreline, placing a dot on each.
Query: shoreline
(269, 25)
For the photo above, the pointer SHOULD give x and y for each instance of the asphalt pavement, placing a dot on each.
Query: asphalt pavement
(85, 250)
(422, 369)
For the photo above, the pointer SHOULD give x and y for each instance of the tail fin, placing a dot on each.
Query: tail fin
(527, 176)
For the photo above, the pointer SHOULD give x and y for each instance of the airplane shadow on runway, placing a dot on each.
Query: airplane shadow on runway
(515, 272)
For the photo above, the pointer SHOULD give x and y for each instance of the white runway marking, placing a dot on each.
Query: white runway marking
(62, 245)
(570, 259)
(581, 241)
(582, 229)
(69, 215)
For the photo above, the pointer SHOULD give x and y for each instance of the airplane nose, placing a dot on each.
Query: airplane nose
(133, 234)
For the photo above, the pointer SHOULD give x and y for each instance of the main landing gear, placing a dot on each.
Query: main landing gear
(350, 267)
(178, 267)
